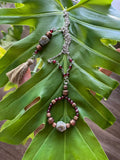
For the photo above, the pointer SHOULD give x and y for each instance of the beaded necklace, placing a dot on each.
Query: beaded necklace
(17, 74)
(60, 125)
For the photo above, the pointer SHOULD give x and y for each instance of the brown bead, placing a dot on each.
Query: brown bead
(68, 125)
(65, 86)
(53, 101)
(48, 114)
(74, 104)
(72, 122)
(49, 34)
(50, 120)
(39, 47)
(54, 124)
(65, 92)
(75, 118)
(44, 40)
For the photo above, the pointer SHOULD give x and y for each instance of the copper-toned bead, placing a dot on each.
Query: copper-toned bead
(75, 118)
(68, 125)
(74, 104)
(39, 47)
(65, 92)
(50, 120)
(54, 124)
(53, 101)
(49, 34)
(48, 114)
(72, 122)
(65, 86)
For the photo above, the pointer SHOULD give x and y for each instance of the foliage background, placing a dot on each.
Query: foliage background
(118, 103)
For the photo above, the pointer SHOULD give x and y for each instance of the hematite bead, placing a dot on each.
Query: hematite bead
(44, 40)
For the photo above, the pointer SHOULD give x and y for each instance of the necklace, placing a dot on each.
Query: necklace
(16, 74)
(60, 125)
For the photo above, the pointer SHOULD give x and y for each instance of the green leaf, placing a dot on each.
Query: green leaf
(9, 86)
(2, 52)
(90, 21)
(50, 143)
(13, 35)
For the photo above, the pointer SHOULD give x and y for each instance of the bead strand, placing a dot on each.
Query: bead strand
(44, 40)
(60, 125)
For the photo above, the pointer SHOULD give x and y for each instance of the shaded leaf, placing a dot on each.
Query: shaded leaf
(90, 22)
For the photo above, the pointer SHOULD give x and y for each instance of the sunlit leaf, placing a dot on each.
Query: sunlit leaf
(90, 21)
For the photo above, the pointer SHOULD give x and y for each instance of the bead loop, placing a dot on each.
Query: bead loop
(60, 125)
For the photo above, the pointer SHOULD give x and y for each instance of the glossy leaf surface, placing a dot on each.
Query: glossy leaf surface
(91, 21)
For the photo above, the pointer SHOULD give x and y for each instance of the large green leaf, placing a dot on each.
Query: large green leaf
(91, 21)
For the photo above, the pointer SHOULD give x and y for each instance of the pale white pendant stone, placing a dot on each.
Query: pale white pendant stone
(61, 126)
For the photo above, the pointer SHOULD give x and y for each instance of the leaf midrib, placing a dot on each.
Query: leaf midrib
(86, 142)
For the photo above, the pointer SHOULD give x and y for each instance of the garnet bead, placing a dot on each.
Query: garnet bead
(70, 66)
(60, 67)
(77, 111)
(59, 98)
(51, 31)
(54, 61)
(70, 60)
(36, 51)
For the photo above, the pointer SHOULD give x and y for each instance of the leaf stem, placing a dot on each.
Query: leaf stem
(60, 4)
(77, 5)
